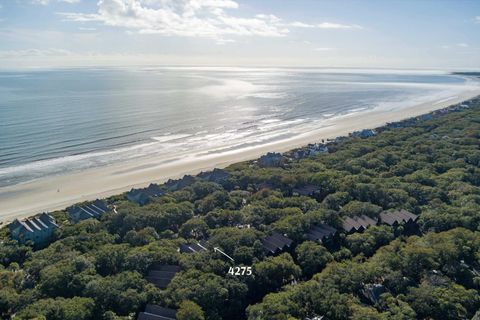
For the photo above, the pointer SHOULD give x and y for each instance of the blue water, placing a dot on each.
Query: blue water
(56, 121)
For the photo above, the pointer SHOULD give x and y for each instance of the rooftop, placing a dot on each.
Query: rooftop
(276, 242)
(396, 217)
(358, 223)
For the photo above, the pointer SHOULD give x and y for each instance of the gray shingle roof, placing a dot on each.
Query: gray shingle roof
(193, 247)
(154, 312)
(320, 232)
(162, 275)
(358, 223)
(392, 218)
(93, 209)
(276, 242)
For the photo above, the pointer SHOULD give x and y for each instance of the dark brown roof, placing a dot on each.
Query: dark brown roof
(358, 223)
(396, 217)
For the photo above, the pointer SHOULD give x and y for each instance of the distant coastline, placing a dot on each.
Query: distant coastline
(58, 192)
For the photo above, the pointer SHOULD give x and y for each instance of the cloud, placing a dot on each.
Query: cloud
(34, 53)
(325, 25)
(190, 18)
(86, 29)
(457, 45)
(47, 2)
(477, 19)
(323, 49)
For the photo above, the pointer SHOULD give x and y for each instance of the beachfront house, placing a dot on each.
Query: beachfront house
(217, 175)
(37, 230)
(276, 243)
(144, 196)
(311, 150)
(154, 312)
(271, 159)
(95, 209)
(175, 185)
(365, 133)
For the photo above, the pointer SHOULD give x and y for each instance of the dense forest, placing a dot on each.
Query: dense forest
(430, 166)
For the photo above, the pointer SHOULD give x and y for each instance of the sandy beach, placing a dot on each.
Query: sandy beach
(60, 191)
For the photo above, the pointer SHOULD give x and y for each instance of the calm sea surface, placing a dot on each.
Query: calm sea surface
(58, 121)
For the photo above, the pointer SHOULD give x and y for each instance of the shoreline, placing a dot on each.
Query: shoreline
(27, 199)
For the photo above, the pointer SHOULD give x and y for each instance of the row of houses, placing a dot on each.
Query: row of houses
(277, 242)
(143, 196)
(38, 230)
(429, 116)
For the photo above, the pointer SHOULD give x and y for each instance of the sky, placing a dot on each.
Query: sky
(424, 34)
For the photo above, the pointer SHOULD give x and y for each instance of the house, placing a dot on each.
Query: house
(373, 291)
(271, 159)
(217, 175)
(321, 232)
(365, 133)
(395, 218)
(162, 275)
(39, 230)
(175, 185)
(308, 190)
(154, 312)
(276, 243)
(426, 117)
(317, 148)
(144, 196)
(193, 247)
(358, 223)
(436, 278)
(310, 150)
(95, 209)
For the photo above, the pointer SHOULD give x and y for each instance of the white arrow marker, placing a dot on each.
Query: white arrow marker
(226, 255)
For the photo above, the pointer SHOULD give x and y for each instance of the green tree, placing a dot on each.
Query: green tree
(189, 310)
(312, 257)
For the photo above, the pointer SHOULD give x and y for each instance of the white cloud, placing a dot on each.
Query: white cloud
(86, 29)
(325, 25)
(329, 25)
(34, 53)
(46, 2)
(462, 45)
(191, 18)
(323, 49)
(477, 19)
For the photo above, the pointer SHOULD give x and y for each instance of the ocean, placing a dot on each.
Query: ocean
(59, 121)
